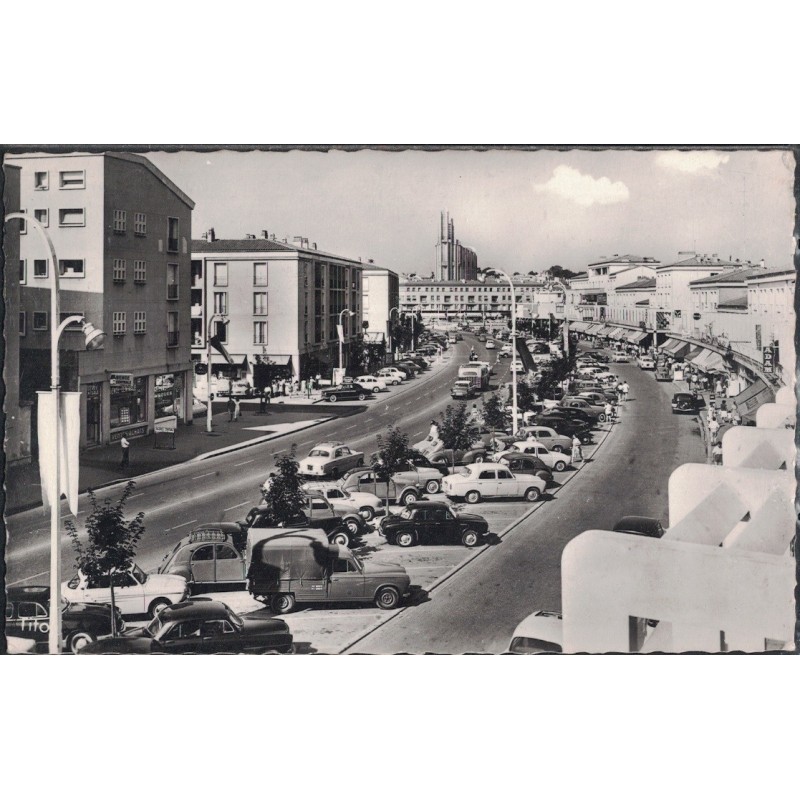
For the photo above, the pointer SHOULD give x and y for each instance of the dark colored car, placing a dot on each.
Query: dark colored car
(564, 424)
(28, 617)
(526, 464)
(345, 391)
(420, 523)
(641, 526)
(419, 460)
(200, 626)
(457, 458)
(685, 403)
(578, 414)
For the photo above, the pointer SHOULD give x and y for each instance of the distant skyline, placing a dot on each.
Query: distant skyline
(519, 210)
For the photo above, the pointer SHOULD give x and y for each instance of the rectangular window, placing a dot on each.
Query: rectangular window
(172, 329)
(221, 331)
(139, 322)
(23, 323)
(41, 181)
(40, 320)
(260, 276)
(120, 270)
(118, 323)
(129, 404)
(220, 302)
(139, 271)
(259, 333)
(23, 271)
(259, 303)
(172, 281)
(42, 217)
(71, 217)
(173, 233)
(120, 221)
(220, 274)
(71, 267)
(72, 179)
(40, 268)
(140, 224)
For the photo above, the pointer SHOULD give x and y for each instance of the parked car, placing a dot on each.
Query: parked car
(641, 526)
(541, 632)
(557, 461)
(398, 490)
(477, 481)
(391, 375)
(419, 460)
(547, 436)
(366, 504)
(345, 391)
(686, 403)
(435, 523)
(473, 455)
(620, 358)
(564, 424)
(372, 382)
(463, 390)
(490, 345)
(200, 626)
(526, 464)
(646, 362)
(582, 404)
(28, 617)
(135, 591)
(517, 366)
(330, 458)
(573, 413)
(599, 398)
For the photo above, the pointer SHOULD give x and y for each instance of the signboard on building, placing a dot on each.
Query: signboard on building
(122, 380)
(769, 358)
(166, 424)
(139, 430)
(758, 337)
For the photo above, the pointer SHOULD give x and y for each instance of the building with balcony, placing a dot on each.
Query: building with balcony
(282, 302)
(454, 261)
(121, 230)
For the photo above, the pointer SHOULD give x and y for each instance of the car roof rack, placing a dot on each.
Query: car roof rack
(207, 535)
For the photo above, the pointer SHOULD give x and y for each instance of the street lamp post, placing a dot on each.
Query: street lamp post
(413, 334)
(341, 338)
(391, 338)
(94, 339)
(209, 423)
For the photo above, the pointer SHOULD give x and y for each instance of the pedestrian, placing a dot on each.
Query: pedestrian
(608, 410)
(433, 433)
(625, 390)
(716, 453)
(237, 408)
(267, 395)
(577, 449)
(126, 446)
(231, 406)
(713, 429)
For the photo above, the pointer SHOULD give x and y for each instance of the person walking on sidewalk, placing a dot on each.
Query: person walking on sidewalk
(126, 447)
(577, 450)
(609, 411)
(625, 390)
(231, 409)
(237, 408)
(716, 453)
(713, 429)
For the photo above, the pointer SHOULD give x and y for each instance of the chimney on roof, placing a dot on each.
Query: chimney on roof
(273, 238)
(210, 235)
(762, 264)
(313, 245)
(265, 234)
(370, 261)
(249, 236)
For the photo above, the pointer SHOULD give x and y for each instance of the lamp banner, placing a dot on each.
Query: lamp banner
(70, 432)
(340, 331)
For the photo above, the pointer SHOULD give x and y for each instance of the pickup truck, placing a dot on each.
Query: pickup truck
(403, 487)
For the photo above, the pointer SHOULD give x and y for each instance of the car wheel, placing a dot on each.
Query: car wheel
(376, 389)
(432, 487)
(404, 539)
(601, 418)
(79, 640)
(532, 494)
(362, 396)
(331, 398)
(469, 538)
(479, 459)
(367, 513)
(158, 605)
(473, 497)
(557, 448)
(408, 498)
(560, 466)
(394, 383)
(341, 538)
(282, 603)
(388, 597)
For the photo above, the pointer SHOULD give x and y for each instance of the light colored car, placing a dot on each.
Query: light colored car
(373, 383)
(330, 458)
(620, 358)
(391, 375)
(490, 345)
(556, 461)
(646, 362)
(135, 591)
(590, 369)
(475, 482)
(549, 437)
(541, 632)
(517, 366)
(343, 501)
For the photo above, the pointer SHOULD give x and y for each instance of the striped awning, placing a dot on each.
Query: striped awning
(578, 326)
(595, 329)
(672, 345)
(634, 337)
(709, 361)
(694, 353)
(617, 333)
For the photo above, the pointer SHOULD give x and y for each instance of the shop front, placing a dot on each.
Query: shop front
(128, 406)
(168, 396)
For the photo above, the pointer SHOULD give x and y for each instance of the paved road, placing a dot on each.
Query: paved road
(478, 608)
(225, 487)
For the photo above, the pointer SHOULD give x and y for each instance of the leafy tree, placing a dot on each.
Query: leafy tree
(285, 496)
(555, 373)
(494, 413)
(111, 543)
(455, 429)
(393, 453)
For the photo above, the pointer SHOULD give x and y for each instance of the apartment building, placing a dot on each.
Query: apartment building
(121, 232)
(282, 302)
(380, 300)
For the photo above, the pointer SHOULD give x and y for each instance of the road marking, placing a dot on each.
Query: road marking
(242, 463)
(204, 475)
(236, 506)
(139, 494)
(182, 525)
(21, 580)
(278, 452)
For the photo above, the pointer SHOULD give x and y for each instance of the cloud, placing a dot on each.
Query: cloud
(571, 184)
(693, 162)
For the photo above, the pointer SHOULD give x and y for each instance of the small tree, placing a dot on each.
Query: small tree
(393, 453)
(285, 496)
(111, 543)
(455, 430)
(494, 413)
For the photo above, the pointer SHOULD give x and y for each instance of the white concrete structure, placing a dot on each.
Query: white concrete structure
(380, 294)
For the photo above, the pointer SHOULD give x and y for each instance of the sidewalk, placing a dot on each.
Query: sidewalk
(100, 465)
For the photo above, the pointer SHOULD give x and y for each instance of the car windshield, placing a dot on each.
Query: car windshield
(139, 573)
(406, 513)
(316, 452)
(235, 618)
(154, 628)
(463, 471)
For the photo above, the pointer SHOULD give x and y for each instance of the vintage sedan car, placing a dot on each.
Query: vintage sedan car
(419, 460)
(620, 358)
(547, 436)
(474, 455)
(517, 366)
(565, 424)
(422, 478)
(135, 591)
(541, 632)
(433, 522)
(527, 464)
(391, 375)
(330, 458)
(490, 345)
(345, 391)
(475, 482)
(463, 390)
(686, 403)
(599, 398)
(28, 618)
(646, 362)
(557, 461)
(344, 501)
(371, 382)
(596, 412)
(200, 626)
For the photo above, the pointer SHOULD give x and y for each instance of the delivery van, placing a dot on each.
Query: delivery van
(301, 566)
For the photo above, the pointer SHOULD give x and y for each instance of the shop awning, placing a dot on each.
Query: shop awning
(239, 360)
(593, 330)
(634, 337)
(752, 398)
(616, 333)
(580, 327)
(682, 349)
(709, 361)
(671, 345)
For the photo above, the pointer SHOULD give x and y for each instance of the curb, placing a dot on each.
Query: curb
(458, 567)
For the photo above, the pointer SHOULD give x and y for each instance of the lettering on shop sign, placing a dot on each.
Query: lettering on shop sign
(139, 430)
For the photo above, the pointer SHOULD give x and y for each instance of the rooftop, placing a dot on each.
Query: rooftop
(641, 283)
(626, 259)
(698, 260)
(265, 245)
(729, 276)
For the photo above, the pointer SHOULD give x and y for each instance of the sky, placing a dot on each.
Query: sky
(519, 210)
